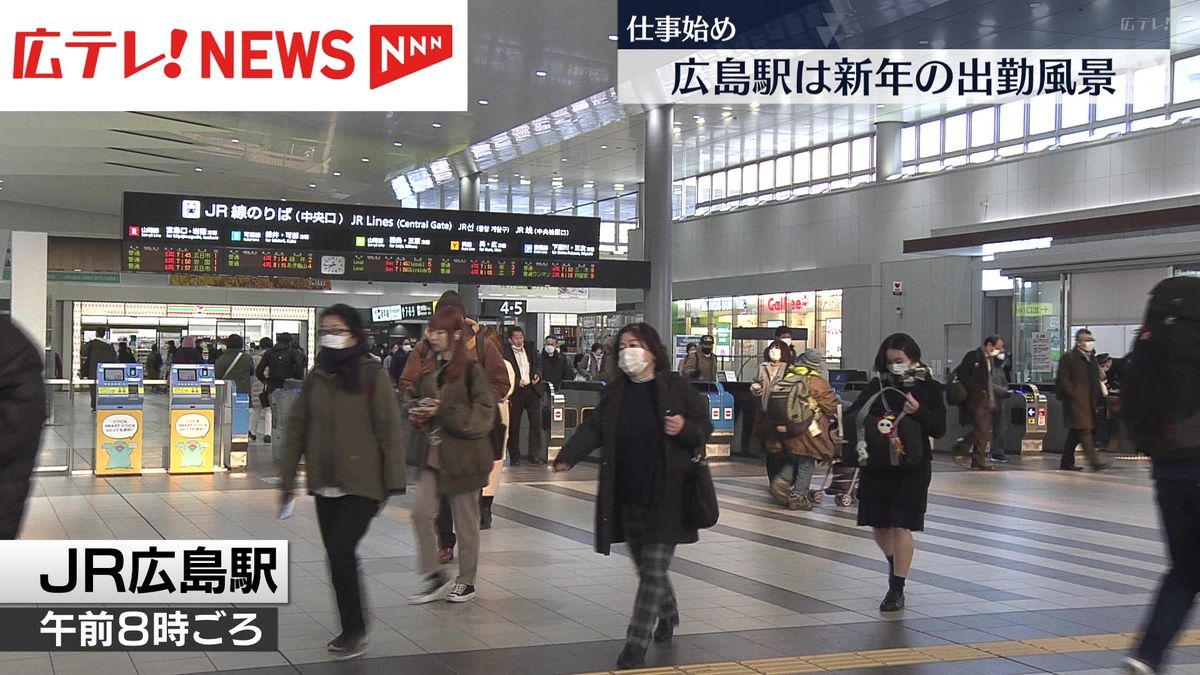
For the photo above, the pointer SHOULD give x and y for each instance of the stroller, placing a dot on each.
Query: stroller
(841, 483)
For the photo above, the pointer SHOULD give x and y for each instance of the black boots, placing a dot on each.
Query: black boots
(894, 600)
(632, 657)
(665, 630)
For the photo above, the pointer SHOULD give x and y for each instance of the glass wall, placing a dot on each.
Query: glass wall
(1040, 339)
(818, 312)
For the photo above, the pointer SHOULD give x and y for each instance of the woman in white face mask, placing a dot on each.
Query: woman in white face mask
(892, 500)
(649, 425)
(347, 426)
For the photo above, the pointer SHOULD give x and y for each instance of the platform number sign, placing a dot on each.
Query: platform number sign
(508, 309)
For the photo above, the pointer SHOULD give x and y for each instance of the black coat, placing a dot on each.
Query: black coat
(555, 369)
(530, 354)
(22, 412)
(1077, 385)
(669, 522)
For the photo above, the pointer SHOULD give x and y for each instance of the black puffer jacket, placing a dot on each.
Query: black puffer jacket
(22, 413)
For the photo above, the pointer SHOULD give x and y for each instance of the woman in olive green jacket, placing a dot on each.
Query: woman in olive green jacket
(455, 409)
(346, 425)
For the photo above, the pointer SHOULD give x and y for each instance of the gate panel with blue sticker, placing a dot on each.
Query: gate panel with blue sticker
(720, 412)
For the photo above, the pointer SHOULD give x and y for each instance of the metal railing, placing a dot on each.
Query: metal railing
(222, 427)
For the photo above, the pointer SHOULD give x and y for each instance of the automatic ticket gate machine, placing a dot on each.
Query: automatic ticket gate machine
(720, 411)
(120, 396)
(240, 423)
(1028, 415)
(193, 401)
(555, 422)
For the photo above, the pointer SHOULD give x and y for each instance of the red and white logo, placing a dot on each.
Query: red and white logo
(397, 51)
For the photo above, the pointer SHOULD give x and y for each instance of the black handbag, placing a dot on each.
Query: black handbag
(702, 507)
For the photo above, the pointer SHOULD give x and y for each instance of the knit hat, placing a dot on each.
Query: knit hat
(812, 358)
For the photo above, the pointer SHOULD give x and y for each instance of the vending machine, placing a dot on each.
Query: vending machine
(120, 396)
(193, 400)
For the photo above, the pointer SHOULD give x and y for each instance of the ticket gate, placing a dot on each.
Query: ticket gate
(720, 411)
(120, 397)
(240, 423)
(192, 404)
(579, 401)
(1027, 415)
(556, 424)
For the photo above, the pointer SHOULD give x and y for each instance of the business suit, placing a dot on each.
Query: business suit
(525, 400)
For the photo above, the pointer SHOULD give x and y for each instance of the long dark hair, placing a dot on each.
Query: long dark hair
(649, 338)
(450, 319)
(345, 363)
(901, 341)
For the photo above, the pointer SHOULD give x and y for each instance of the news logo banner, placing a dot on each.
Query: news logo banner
(117, 572)
(356, 55)
(811, 52)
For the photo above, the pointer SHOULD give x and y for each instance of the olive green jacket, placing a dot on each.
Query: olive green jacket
(465, 416)
(352, 442)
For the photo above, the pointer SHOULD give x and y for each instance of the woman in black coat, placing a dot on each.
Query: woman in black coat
(892, 500)
(649, 425)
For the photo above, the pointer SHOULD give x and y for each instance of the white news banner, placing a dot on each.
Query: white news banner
(85, 572)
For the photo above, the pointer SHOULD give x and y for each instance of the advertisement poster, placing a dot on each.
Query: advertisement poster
(118, 443)
(191, 441)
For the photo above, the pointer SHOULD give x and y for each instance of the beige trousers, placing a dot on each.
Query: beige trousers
(465, 509)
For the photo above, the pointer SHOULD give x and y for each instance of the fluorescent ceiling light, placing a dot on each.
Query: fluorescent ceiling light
(1020, 245)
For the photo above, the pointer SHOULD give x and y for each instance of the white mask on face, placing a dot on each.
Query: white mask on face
(900, 368)
(633, 361)
(787, 341)
(774, 354)
(334, 341)
(550, 349)
(1089, 346)
(1000, 356)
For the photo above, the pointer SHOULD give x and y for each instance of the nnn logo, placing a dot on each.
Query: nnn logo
(399, 51)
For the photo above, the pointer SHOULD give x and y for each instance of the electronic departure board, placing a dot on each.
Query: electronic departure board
(207, 235)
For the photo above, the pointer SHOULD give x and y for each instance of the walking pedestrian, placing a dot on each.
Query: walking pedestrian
(22, 413)
(1078, 386)
(975, 373)
(649, 425)
(346, 426)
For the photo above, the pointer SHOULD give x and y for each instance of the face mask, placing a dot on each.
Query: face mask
(706, 350)
(334, 341)
(775, 354)
(1089, 346)
(900, 368)
(550, 349)
(786, 341)
(406, 348)
(633, 361)
(1000, 356)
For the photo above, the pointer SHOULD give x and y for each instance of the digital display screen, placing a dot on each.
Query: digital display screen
(169, 221)
(114, 374)
(204, 259)
(185, 375)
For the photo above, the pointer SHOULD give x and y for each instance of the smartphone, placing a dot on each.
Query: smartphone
(286, 510)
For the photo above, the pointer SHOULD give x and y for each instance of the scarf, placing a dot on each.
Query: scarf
(343, 364)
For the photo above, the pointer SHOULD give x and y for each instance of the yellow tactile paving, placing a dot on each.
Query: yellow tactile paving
(904, 656)
(1188, 638)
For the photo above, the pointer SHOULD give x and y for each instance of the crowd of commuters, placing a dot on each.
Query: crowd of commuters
(463, 393)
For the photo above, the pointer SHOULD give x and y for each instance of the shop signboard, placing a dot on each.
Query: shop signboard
(1034, 309)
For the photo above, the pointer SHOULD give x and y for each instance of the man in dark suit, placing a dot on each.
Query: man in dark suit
(553, 364)
(525, 398)
(975, 373)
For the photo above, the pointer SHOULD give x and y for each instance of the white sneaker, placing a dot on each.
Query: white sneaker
(1137, 667)
(461, 593)
(437, 586)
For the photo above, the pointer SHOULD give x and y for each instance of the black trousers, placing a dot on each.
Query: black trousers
(445, 525)
(343, 522)
(1179, 504)
(1083, 437)
(524, 401)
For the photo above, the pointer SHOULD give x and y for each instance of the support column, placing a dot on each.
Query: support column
(656, 217)
(887, 149)
(29, 291)
(468, 200)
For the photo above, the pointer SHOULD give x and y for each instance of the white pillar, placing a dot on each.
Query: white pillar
(29, 284)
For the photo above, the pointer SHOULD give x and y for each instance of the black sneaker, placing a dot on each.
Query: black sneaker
(348, 645)
(461, 593)
(665, 630)
(437, 586)
(252, 436)
(1102, 466)
(485, 519)
(1000, 460)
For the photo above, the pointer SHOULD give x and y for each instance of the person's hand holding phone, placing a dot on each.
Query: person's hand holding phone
(673, 424)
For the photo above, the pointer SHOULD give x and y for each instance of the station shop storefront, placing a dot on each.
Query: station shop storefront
(142, 324)
(818, 312)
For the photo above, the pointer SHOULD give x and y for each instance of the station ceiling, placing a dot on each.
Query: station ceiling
(84, 161)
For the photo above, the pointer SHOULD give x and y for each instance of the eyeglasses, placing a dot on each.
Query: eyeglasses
(334, 331)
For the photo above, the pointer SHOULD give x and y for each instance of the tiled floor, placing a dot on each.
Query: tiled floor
(1024, 554)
